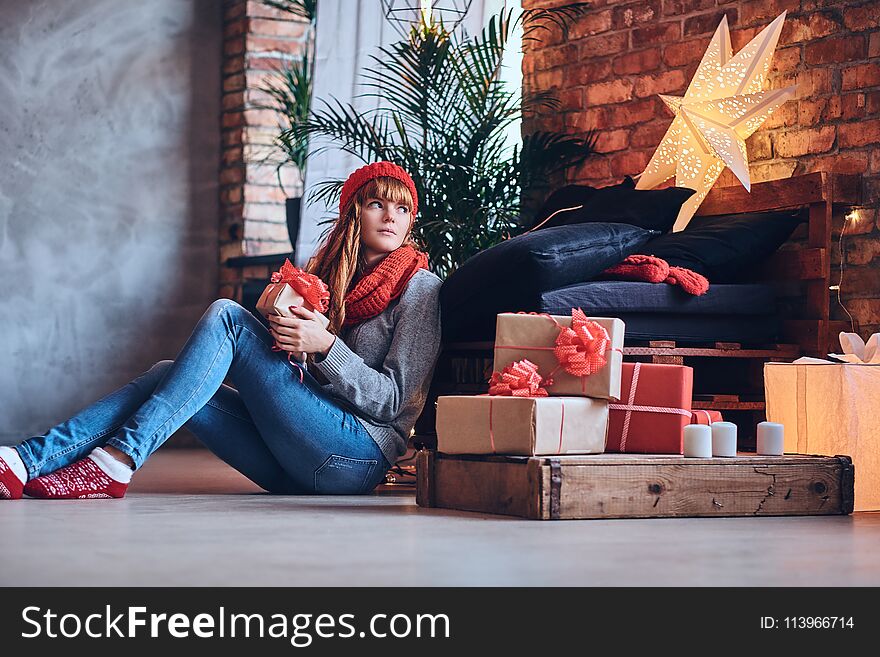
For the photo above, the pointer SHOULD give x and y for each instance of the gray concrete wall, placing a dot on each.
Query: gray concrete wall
(109, 151)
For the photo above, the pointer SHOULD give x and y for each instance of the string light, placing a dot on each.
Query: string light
(851, 217)
(402, 473)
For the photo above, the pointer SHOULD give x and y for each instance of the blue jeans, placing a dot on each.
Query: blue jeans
(286, 436)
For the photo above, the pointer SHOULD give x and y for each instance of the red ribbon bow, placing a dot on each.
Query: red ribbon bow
(580, 349)
(311, 288)
(519, 379)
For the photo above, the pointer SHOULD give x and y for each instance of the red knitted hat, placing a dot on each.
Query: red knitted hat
(372, 171)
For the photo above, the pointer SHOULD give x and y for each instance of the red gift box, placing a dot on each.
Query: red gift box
(654, 407)
(706, 417)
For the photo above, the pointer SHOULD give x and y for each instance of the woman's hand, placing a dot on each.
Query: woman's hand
(302, 333)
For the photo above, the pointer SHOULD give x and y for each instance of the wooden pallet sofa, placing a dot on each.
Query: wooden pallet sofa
(727, 373)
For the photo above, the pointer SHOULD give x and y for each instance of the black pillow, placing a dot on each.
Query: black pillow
(726, 248)
(511, 276)
(653, 209)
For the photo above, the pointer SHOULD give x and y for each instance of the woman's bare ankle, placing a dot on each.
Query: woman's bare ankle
(119, 455)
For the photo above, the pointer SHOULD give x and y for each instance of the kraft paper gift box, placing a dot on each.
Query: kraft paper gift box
(654, 409)
(292, 286)
(533, 337)
(830, 409)
(528, 426)
(278, 296)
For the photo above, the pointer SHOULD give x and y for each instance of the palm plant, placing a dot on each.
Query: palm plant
(442, 114)
(291, 98)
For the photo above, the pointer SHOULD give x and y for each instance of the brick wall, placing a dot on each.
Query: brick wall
(620, 55)
(257, 40)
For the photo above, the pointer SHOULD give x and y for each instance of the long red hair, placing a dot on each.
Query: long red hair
(339, 260)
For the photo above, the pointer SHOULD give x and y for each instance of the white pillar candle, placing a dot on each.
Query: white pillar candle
(698, 441)
(771, 438)
(723, 439)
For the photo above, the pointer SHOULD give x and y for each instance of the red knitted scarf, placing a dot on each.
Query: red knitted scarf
(372, 294)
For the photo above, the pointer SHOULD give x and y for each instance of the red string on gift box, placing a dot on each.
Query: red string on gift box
(519, 379)
(708, 417)
(491, 430)
(561, 426)
(295, 363)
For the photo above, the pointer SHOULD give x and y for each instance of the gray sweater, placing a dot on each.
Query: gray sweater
(380, 369)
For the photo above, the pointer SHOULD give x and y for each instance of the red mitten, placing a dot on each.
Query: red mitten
(689, 281)
(649, 269)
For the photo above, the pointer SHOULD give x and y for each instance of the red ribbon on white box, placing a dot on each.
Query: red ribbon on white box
(631, 407)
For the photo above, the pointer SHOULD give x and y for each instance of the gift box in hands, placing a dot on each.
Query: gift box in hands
(291, 286)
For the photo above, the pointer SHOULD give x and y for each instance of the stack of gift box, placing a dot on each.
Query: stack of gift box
(560, 386)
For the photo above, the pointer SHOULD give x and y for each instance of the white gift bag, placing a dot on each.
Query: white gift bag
(830, 409)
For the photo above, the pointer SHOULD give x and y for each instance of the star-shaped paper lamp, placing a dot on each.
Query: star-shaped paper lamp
(723, 105)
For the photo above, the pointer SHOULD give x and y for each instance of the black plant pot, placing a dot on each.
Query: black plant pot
(293, 207)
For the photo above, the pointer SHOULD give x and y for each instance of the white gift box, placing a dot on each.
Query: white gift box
(830, 409)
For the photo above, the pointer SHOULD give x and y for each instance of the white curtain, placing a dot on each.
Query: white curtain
(348, 32)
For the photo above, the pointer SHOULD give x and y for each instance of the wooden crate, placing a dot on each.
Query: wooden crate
(636, 485)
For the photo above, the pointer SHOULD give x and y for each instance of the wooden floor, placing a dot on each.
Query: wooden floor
(190, 520)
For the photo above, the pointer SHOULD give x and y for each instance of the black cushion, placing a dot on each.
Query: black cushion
(511, 276)
(726, 248)
(653, 209)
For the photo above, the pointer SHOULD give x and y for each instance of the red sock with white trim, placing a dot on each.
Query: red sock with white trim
(98, 476)
(13, 474)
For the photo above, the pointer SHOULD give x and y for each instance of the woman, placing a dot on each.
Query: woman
(286, 432)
